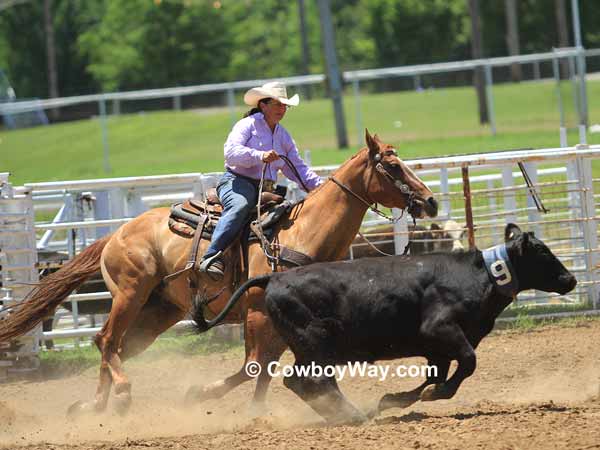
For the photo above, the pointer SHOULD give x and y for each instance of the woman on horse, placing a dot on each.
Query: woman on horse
(255, 140)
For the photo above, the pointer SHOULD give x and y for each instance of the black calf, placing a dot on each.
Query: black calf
(437, 306)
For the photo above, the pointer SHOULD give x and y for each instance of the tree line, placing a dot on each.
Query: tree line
(118, 45)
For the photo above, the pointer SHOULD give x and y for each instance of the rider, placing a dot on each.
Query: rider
(255, 140)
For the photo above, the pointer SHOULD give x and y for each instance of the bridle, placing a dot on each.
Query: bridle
(403, 187)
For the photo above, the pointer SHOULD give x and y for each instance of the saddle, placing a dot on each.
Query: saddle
(197, 219)
(187, 216)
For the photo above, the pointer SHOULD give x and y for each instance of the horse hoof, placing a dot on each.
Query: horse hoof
(79, 409)
(193, 396)
(355, 419)
(257, 410)
(371, 413)
(122, 404)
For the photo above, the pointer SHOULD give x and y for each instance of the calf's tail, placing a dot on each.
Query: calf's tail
(203, 325)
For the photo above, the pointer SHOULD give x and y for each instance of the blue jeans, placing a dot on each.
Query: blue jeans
(238, 197)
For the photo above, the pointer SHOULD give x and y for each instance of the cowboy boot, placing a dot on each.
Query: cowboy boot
(213, 266)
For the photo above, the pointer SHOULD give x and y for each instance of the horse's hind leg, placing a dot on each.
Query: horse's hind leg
(126, 306)
(153, 320)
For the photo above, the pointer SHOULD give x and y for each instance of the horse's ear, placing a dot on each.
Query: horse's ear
(372, 144)
(511, 232)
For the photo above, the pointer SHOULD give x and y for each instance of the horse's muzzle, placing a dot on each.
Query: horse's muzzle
(431, 207)
(420, 208)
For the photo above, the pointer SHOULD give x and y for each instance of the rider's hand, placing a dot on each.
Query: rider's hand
(270, 156)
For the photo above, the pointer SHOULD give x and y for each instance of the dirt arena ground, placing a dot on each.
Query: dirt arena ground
(532, 390)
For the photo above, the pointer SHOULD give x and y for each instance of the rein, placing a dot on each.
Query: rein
(257, 227)
(370, 204)
(403, 187)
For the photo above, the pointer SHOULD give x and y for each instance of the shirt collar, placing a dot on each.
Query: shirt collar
(260, 116)
(500, 270)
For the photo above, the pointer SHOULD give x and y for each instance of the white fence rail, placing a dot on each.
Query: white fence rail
(86, 210)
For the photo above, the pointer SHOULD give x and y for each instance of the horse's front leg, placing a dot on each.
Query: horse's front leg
(263, 345)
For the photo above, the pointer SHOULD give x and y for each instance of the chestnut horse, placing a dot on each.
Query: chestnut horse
(136, 258)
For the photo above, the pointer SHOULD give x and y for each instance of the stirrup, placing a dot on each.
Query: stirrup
(213, 266)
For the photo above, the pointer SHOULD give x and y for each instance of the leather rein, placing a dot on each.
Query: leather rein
(403, 187)
(293, 258)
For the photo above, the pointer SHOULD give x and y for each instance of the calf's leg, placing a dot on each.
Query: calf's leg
(450, 336)
(405, 399)
(324, 396)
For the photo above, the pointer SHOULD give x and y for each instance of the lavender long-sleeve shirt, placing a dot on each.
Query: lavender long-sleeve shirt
(250, 138)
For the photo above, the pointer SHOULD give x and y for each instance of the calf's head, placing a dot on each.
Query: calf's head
(535, 264)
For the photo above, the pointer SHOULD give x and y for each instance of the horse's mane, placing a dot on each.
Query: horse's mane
(344, 164)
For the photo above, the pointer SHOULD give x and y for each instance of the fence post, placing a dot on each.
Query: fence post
(101, 211)
(573, 77)
(584, 167)
(104, 127)
(575, 198)
(231, 105)
(70, 217)
(559, 99)
(445, 190)
(417, 83)
(510, 201)
(400, 231)
(490, 98)
(133, 203)
(359, 122)
(117, 205)
(18, 260)
(536, 70)
(468, 206)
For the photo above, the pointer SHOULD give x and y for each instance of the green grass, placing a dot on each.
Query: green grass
(430, 123)
(526, 323)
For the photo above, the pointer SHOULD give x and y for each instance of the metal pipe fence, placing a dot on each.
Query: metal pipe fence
(497, 194)
(356, 81)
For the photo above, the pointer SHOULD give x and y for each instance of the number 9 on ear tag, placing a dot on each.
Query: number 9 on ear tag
(500, 271)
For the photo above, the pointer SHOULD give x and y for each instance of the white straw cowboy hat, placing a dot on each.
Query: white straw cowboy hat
(274, 89)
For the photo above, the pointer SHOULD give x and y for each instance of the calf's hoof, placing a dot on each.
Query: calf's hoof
(436, 392)
(430, 393)
(399, 400)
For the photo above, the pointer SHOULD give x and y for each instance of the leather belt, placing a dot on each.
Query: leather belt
(268, 185)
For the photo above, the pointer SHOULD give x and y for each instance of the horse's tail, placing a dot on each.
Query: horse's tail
(202, 325)
(51, 291)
